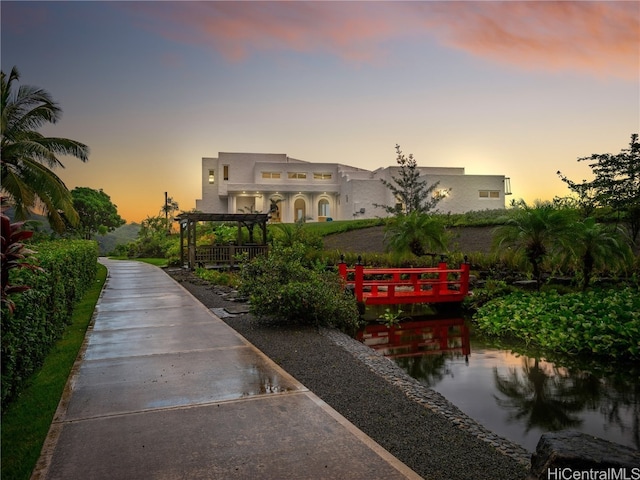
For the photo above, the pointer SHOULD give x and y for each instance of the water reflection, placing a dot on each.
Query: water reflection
(262, 380)
(539, 398)
(516, 392)
(416, 339)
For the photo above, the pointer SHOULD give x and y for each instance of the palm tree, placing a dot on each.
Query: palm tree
(598, 246)
(416, 233)
(534, 231)
(27, 157)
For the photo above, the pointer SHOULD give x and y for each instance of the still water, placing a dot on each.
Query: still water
(513, 391)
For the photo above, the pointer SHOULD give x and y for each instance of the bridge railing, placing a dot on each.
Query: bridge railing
(407, 285)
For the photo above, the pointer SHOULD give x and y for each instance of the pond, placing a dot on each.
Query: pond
(514, 391)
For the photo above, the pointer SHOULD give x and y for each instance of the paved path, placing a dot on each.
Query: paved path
(166, 390)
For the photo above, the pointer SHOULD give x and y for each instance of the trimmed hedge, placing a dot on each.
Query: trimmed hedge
(43, 312)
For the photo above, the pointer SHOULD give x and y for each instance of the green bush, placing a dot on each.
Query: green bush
(43, 312)
(601, 322)
(153, 246)
(476, 218)
(285, 287)
(216, 277)
(491, 290)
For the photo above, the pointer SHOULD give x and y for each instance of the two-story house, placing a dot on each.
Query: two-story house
(293, 189)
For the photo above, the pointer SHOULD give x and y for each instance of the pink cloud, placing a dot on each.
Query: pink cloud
(599, 38)
(237, 30)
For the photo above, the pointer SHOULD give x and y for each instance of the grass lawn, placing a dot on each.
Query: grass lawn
(339, 226)
(26, 421)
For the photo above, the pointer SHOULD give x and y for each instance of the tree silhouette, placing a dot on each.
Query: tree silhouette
(28, 157)
(545, 401)
(616, 184)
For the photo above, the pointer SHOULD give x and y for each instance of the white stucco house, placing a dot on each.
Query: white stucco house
(259, 182)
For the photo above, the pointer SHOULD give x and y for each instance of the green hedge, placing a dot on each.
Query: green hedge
(43, 312)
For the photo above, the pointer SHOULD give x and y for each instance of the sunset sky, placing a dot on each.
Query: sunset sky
(521, 89)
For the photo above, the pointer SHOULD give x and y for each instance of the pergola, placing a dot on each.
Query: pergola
(220, 254)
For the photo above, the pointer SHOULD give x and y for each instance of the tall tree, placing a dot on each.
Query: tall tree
(96, 211)
(412, 193)
(27, 157)
(534, 231)
(616, 183)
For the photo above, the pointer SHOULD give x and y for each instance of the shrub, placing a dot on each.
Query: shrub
(601, 322)
(491, 290)
(14, 256)
(43, 312)
(284, 287)
(216, 277)
(155, 246)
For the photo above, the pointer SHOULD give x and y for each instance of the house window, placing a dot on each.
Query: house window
(489, 193)
(298, 175)
(270, 174)
(225, 173)
(321, 176)
(323, 208)
(212, 176)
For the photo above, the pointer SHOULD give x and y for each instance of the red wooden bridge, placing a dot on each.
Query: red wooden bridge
(391, 286)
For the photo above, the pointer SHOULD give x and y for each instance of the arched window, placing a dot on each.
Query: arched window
(323, 208)
(300, 209)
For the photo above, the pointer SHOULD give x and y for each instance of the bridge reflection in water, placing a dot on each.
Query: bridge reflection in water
(418, 338)
(511, 388)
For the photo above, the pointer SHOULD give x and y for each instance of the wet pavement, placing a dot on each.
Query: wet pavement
(164, 389)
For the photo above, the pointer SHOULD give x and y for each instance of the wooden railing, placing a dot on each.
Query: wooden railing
(391, 286)
(223, 254)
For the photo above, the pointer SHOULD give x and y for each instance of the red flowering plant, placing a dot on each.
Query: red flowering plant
(14, 255)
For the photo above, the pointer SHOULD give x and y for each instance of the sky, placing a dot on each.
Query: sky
(521, 89)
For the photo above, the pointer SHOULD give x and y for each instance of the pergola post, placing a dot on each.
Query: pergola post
(181, 243)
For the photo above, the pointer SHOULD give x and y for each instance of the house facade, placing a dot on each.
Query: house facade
(293, 189)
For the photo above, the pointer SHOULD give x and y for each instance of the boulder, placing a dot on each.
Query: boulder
(559, 455)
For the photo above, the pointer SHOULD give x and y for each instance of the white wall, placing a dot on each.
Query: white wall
(348, 191)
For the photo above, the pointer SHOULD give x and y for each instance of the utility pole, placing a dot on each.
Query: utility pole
(166, 212)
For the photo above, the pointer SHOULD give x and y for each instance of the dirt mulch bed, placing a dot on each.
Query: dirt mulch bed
(371, 240)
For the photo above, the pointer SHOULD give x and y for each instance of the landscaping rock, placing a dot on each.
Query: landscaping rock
(559, 454)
